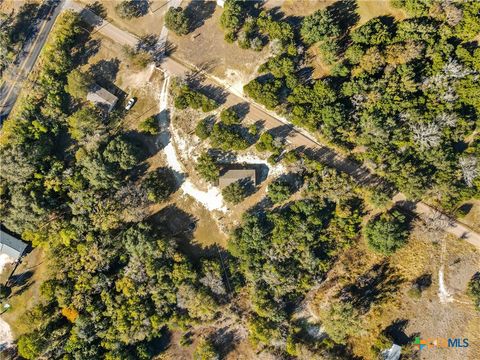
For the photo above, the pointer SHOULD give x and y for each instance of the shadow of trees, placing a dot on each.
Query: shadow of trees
(376, 285)
(396, 331)
(198, 12)
(98, 9)
(105, 70)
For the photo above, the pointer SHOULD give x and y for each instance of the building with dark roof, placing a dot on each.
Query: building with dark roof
(11, 246)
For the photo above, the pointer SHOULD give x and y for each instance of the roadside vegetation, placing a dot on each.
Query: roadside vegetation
(15, 29)
(402, 91)
(316, 261)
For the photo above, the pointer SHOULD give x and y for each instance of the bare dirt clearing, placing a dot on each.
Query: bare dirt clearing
(206, 48)
(406, 315)
(26, 281)
(150, 23)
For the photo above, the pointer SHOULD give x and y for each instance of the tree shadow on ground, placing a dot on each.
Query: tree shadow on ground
(20, 279)
(225, 339)
(345, 14)
(376, 285)
(180, 225)
(91, 47)
(199, 11)
(396, 331)
(241, 109)
(24, 288)
(214, 92)
(98, 9)
(282, 131)
(105, 70)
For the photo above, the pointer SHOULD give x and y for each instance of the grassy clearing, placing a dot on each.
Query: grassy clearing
(29, 275)
(426, 315)
(150, 23)
(370, 9)
(472, 218)
(216, 56)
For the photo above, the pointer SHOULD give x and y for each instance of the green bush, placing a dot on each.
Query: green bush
(387, 232)
(234, 193)
(279, 191)
(78, 84)
(205, 351)
(341, 321)
(128, 9)
(229, 117)
(159, 184)
(229, 137)
(207, 167)
(230, 37)
(149, 126)
(474, 290)
(123, 152)
(177, 20)
(203, 129)
(186, 97)
(266, 93)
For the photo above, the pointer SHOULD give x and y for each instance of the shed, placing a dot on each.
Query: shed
(234, 175)
(11, 246)
(102, 98)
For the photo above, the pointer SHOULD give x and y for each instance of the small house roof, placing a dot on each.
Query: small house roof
(233, 175)
(11, 246)
(102, 97)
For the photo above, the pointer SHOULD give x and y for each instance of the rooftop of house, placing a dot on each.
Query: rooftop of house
(102, 97)
(233, 175)
(11, 246)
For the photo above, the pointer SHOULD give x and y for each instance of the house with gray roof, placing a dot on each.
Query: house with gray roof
(102, 98)
(11, 246)
(233, 175)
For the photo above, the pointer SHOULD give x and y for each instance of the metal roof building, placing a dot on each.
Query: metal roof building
(234, 175)
(103, 98)
(11, 246)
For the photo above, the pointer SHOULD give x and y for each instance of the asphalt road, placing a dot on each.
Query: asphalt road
(294, 136)
(10, 89)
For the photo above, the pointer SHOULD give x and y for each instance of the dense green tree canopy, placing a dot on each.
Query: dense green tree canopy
(177, 20)
(387, 232)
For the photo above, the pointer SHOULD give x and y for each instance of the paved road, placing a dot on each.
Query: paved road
(102, 26)
(295, 136)
(11, 88)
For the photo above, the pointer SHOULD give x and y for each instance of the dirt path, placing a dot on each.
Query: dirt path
(293, 135)
(443, 294)
(6, 337)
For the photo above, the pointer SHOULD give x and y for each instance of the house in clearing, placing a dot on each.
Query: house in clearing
(102, 98)
(233, 175)
(11, 246)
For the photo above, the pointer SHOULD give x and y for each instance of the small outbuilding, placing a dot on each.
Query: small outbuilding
(234, 175)
(102, 98)
(11, 246)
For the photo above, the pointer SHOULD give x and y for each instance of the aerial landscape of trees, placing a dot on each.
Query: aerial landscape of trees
(307, 266)
(402, 90)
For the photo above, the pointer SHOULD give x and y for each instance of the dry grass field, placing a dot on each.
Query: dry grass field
(150, 23)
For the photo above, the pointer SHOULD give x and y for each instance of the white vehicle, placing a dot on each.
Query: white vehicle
(130, 104)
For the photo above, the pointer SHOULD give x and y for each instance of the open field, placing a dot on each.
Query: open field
(472, 218)
(26, 280)
(406, 316)
(150, 23)
(206, 48)
(7, 6)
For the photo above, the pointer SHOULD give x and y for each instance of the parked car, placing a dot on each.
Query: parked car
(130, 104)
